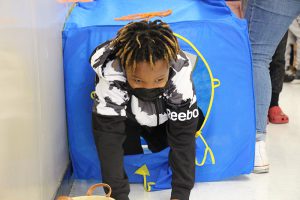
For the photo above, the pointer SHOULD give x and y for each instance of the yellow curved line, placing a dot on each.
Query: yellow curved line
(207, 150)
(149, 186)
(203, 160)
(92, 94)
(217, 84)
(210, 74)
(213, 86)
(69, 12)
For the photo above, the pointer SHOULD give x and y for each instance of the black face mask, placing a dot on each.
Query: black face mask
(146, 94)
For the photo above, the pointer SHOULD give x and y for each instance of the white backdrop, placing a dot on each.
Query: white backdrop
(33, 141)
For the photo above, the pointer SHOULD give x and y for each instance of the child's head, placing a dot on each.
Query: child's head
(145, 50)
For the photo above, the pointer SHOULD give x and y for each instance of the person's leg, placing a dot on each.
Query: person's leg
(132, 144)
(156, 138)
(277, 68)
(277, 72)
(268, 21)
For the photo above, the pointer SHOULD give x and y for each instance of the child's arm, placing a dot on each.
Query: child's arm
(110, 98)
(184, 116)
(109, 115)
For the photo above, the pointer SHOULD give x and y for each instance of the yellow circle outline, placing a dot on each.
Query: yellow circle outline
(212, 80)
(214, 84)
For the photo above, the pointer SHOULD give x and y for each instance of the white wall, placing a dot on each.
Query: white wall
(33, 140)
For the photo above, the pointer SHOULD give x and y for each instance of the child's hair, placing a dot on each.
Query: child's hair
(145, 41)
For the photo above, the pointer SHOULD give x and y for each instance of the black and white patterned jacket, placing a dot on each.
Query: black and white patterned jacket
(177, 106)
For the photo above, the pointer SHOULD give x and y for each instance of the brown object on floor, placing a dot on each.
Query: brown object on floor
(236, 8)
(146, 16)
(89, 194)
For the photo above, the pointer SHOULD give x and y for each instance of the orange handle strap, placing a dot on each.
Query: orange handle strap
(146, 16)
(93, 187)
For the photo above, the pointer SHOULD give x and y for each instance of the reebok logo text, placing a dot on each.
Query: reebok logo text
(182, 116)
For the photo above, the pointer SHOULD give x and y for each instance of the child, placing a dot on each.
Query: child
(144, 88)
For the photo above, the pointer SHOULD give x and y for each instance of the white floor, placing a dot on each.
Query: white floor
(281, 183)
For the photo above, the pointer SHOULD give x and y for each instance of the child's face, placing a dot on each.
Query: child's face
(147, 76)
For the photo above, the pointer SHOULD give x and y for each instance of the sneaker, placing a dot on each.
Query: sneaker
(261, 163)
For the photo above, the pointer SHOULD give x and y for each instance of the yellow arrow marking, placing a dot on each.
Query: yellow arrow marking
(143, 171)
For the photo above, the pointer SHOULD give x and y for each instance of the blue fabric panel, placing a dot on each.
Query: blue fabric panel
(223, 41)
(103, 12)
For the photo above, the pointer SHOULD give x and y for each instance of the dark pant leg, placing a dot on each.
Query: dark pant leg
(156, 138)
(277, 70)
(277, 66)
(132, 144)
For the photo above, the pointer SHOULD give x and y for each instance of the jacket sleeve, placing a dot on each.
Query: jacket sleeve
(183, 119)
(109, 110)
(181, 98)
(110, 98)
(108, 119)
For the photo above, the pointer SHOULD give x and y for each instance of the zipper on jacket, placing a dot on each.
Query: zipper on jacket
(156, 110)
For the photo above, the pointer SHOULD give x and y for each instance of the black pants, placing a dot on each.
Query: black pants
(277, 70)
(112, 147)
(156, 138)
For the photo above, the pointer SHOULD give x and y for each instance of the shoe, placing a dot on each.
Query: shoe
(276, 116)
(261, 163)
